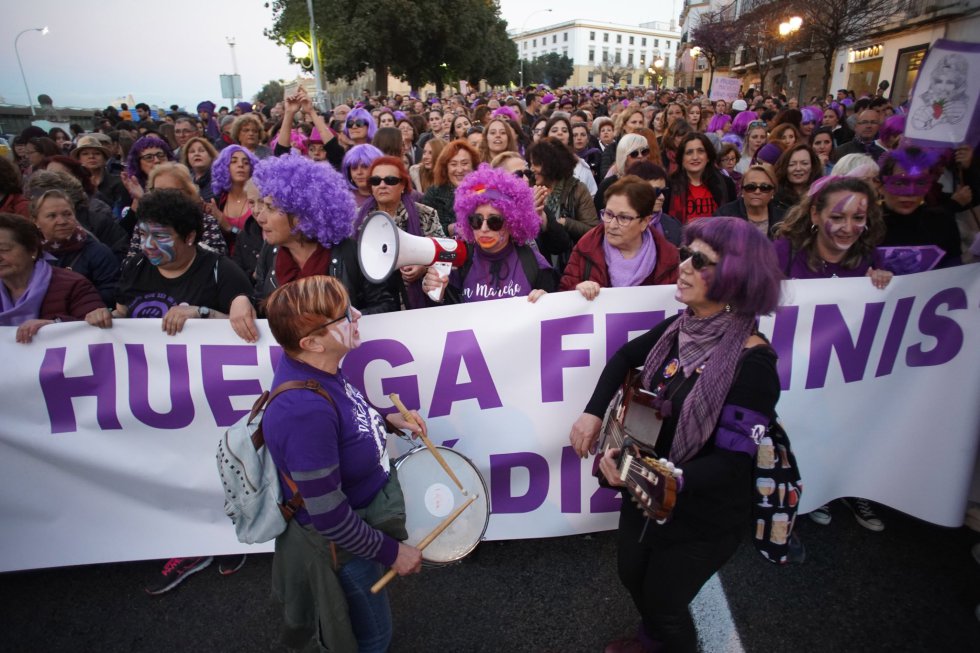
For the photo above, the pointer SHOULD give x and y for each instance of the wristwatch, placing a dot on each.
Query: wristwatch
(204, 312)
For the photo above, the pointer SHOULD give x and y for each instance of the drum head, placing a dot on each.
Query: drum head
(431, 495)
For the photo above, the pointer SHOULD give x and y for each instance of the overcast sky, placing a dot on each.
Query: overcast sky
(174, 52)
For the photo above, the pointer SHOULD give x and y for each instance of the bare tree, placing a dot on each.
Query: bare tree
(612, 71)
(756, 30)
(715, 36)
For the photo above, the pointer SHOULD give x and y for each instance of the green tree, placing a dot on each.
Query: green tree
(554, 69)
(271, 93)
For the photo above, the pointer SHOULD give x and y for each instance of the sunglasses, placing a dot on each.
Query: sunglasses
(636, 154)
(757, 123)
(346, 316)
(153, 156)
(698, 260)
(388, 181)
(524, 174)
(764, 188)
(494, 222)
(357, 122)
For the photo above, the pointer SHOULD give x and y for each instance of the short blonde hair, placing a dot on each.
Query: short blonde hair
(180, 173)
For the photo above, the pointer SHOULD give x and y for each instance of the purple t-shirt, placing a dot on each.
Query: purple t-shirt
(335, 453)
(798, 268)
(498, 275)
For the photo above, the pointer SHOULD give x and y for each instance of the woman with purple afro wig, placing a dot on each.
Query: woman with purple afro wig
(306, 214)
(714, 381)
(497, 217)
(229, 174)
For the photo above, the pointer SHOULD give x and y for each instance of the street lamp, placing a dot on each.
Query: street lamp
(786, 30)
(43, 31)
(523, 27)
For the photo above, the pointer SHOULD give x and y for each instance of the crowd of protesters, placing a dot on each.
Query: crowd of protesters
(203, 215)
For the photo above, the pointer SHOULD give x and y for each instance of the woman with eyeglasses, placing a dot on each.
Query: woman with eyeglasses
(249, 132)
(145, 154)
(360, 127)
(305, 234)
(728, 155)
(698, 188)
(331, 443)
(626, 249)
(497, 217)
(627, 121)
(456, 161)
(391, 188)
(756, 201)
(631, 147)
(795, 169)
(714, 381)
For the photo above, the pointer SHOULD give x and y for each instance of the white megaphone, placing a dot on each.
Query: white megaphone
(382, 248)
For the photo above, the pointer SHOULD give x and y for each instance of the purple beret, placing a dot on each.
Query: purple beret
(768, 153)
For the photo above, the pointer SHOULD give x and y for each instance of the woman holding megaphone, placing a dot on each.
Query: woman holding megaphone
(391, 192)
(496, 216)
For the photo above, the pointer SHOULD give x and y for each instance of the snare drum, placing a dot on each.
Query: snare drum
(430, 495)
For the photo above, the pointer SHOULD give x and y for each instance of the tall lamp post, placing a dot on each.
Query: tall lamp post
(786, 31)
(317, 72)
(43, 31)
(523, 27)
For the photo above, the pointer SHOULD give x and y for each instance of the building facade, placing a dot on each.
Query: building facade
(601, 51)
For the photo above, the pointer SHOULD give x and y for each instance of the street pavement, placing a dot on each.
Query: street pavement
(913, 587)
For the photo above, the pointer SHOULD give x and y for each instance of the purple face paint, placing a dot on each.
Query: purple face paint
(157, 243)
(907, 185)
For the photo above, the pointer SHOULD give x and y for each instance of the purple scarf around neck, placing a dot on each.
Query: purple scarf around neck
(721, 337)
(28, 306)
(624, 272)
(413, 225)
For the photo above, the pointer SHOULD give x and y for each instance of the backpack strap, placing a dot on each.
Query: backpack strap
(529, 263)
(289, 507)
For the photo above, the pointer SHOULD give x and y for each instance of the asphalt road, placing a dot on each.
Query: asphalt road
(911, 588)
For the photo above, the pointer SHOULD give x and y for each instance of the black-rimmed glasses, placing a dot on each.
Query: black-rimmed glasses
(348, 315)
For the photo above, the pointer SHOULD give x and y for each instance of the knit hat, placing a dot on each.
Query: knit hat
(739, 105)
(769, 153)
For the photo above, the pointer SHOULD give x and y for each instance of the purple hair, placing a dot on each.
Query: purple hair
(718, 122)
(220, 175)
(734, 140)
(812, 114)
(363, 114)
(506, 112)
(133, 160)
(893, 126)
(741, 123)
(508, 194)
(913, 160)
(314, 194)
(747, 275)
(358, 156)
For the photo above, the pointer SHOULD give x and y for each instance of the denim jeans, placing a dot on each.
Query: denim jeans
(370, 614)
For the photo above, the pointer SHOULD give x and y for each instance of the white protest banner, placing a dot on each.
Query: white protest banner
(944, 107)
(108, 437)
(725, 88)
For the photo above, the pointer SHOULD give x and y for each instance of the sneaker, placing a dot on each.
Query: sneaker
(175, 572)
(227, 565)
(864, 514)
(821, 515)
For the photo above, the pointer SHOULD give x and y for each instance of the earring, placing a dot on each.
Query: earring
(813, 228)
(728, 308)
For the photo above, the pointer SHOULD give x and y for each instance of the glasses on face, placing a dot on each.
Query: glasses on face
(758, 188)
(729, 160)
(493, 222)
(865, 123)
(638, 154)
(622, 219)
(388, 181)
(698, 260)
(357, 122)
(149, 157)
(346, 316)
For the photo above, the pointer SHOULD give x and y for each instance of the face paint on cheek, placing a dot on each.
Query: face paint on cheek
(158, 247)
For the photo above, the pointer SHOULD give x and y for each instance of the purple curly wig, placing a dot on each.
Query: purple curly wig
(812, 114)
(502, 190)
(315, 195)
(741, 123)
(892, 127)
(363, 114)
(220, 177)
(718, 122)
(133, 160)
(358, 156)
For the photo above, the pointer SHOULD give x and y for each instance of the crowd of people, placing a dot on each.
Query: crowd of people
(219, 214)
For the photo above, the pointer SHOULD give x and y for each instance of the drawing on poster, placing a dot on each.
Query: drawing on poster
(945, 100)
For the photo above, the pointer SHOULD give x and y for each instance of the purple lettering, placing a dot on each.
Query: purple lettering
(59, 389)
(605, 499)
(554, 359)
(462, 347)
(783, 335)
(893, 339)
(181, 403)
(395, 354)
(217, 389)
(620, 325)
(571, 481)
(946, 331)
(830, 333)
(501, 468)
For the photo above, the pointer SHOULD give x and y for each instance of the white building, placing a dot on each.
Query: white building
(590, 43)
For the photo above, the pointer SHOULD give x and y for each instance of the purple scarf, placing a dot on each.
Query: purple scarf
(28, 306)
(721, 337)
(413, 225)
(624, 272)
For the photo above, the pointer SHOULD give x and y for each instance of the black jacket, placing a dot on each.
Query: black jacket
(738, 210)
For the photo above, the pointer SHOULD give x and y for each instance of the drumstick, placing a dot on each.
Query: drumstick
(428, 443)
(426, 541)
